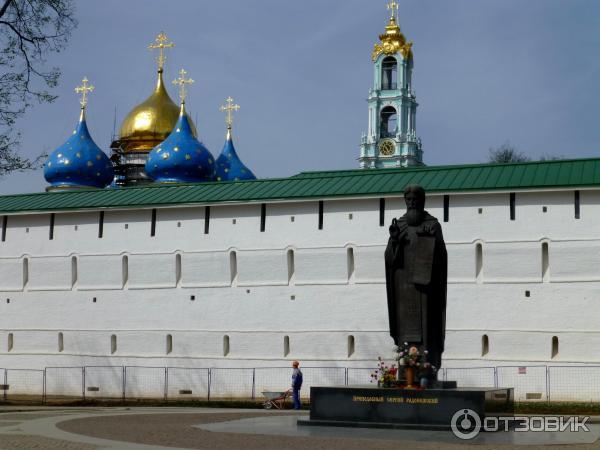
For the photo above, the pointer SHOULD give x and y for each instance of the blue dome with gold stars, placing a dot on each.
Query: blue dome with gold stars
(229, 165)
(79, 162)
(181, 158)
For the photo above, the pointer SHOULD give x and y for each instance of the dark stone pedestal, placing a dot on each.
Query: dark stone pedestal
(443, 385)
(367, 406)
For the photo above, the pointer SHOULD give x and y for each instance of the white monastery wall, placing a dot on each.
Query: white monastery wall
(241, 297)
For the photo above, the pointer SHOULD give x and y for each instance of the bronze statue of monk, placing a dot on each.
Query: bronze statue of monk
(416, 267)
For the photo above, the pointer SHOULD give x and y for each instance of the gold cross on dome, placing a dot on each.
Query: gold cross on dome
(161, 43)
(393, 6)
(182, 81)
(83, 90)
(229, 109)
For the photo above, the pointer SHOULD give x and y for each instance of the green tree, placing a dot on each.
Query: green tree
(30, 30)
(505, 154)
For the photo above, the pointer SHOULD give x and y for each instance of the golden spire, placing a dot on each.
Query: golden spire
(182, 81)
(393, 6)
(228, 110)
(83, 90)
(161, 43)
(393, 41)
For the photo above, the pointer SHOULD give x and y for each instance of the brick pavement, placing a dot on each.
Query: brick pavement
(179, 430)
(159, 428)
(25, 442)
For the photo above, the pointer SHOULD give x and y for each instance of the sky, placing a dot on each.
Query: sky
(486, 72)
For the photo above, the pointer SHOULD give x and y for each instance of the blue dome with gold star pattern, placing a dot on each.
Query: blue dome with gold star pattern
(79, 162)
(229, 165)
(181, 158)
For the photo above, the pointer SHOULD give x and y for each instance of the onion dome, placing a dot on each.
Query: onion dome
(79, 162)
(181, 158)
(393, 41)
(229, 165)
(150, 122)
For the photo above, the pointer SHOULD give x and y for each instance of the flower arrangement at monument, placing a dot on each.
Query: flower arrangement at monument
(411, 364)
(386, 376)
(415, 365)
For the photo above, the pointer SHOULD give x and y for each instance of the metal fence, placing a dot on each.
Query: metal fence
(122, 383)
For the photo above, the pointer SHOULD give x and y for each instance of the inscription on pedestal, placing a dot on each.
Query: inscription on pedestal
(430, 408)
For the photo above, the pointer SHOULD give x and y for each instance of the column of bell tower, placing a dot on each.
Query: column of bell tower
(391, 139)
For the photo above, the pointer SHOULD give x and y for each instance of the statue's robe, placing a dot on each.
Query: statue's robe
(416, 268)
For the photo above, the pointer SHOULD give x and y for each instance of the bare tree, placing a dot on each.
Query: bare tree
(29, 31)
(505, 154)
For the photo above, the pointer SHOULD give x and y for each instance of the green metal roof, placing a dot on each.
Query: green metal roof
(319, 185)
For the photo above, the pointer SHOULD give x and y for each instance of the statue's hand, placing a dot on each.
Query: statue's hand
(428, 228)
(394, 231)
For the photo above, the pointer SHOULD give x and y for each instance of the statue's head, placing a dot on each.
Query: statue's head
(414, 196)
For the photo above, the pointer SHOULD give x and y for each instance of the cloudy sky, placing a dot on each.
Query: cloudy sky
(486, 72)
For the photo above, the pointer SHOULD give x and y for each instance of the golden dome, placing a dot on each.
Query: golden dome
(392, 42)
(149, 123)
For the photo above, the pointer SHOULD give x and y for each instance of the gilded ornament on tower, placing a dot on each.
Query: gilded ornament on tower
(181, 82)
(84, 89)
(161, 43)
(229, 109)
(393, 41)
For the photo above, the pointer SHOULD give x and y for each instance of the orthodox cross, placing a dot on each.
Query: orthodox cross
(182, 81)
(83, 90)
(393, 7)
(229, 109)
(161, 43)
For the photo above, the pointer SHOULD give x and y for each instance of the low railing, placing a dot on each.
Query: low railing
(124, 383)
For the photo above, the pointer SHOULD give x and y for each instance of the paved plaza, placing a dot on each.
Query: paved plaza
(213, 428)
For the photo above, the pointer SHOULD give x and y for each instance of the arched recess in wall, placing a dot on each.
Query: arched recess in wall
(350, 263)
(233, 267)
(545, 262)
(351, 346)
(125, 270)
(113, 344)
(4, 227)
(226, 347)
(554, 353)
(61, 342)
(169, 344)
(25, 271)
(11, 342)
(479, 262)
(286, 346)
(389, 122)
(485, 345)
(73, 272)
(389, 74)
(178, 269)
(291, 265)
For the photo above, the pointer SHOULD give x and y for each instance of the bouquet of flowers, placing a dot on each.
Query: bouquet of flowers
(384, 375)
(410, 356)
(415, 364)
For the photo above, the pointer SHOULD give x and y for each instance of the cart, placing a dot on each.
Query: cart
(276, 399)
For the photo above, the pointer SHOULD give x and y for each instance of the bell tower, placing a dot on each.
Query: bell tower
(391, 139)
